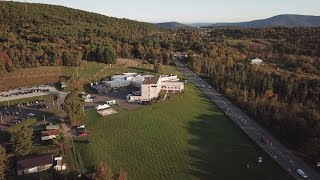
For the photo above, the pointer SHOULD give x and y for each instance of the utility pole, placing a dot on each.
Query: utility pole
(26, 6)
(44, 119)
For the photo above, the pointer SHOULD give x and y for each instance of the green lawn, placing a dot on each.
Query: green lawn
(186, 137)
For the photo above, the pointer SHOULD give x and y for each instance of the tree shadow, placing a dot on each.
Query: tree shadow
(141, 70)
(200, 153)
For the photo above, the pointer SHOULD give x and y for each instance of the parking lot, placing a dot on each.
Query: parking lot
(16, 113)
(31, 104)
(27, 92)
(119, 95)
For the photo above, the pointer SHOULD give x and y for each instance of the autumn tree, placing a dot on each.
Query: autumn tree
(74, 108)
(102, 172)
(122, 174)
(22, 140)
(157, 67)
(3, 164)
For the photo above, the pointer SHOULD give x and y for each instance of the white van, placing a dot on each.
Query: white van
(301, 173)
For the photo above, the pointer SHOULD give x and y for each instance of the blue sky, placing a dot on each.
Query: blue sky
(187, 11)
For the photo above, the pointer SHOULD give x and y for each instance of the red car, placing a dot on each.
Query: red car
(83, 133)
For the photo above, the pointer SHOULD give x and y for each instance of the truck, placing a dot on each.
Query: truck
(301, 173)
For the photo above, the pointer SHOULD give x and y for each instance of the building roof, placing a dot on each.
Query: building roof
(50, 133)
(117, 81)
(151, 80)
(56, 126)
(104, 106)
(35, 161)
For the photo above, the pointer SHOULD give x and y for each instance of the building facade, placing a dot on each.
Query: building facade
(151, 87)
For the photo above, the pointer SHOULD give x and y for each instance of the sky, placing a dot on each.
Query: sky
(191, 11)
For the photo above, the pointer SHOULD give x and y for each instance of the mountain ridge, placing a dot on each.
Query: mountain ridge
(284, 20)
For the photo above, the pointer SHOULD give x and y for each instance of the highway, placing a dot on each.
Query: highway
(273, 147)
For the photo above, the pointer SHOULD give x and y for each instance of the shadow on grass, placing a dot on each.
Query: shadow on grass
(141, 70)
(202, 132)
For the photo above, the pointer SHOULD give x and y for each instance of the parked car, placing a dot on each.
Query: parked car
(30, 114)
(83, 133)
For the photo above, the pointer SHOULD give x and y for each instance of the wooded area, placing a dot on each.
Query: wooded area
(282, 94)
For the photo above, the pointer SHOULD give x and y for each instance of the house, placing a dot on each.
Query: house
(111, 102)
(51, 134)
(53, 127)
(101, 107)
(39, 163)
(256, 61)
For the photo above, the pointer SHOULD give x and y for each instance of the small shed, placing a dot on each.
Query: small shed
(111, 102)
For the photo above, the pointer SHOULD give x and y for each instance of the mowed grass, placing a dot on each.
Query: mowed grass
(186, 137)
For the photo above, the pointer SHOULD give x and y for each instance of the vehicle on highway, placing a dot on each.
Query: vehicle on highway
(301, 173)
(209, 87)
(264, 140)
(203, 86)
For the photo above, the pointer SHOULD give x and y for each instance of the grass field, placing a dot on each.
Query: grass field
(186, 137)
(88, 72)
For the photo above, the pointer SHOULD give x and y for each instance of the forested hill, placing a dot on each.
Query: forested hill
(172, 25)
(286, 20)
(39, 34)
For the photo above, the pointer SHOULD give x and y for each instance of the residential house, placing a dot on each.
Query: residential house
(39, 163)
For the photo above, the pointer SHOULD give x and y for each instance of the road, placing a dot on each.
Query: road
(273, 147)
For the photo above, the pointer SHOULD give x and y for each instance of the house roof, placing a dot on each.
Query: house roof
(53, 126)
(50, 133)
(35, 161)
(151, 80)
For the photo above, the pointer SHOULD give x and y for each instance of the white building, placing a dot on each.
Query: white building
(256, 61)
(126, 79)
(151, 87)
